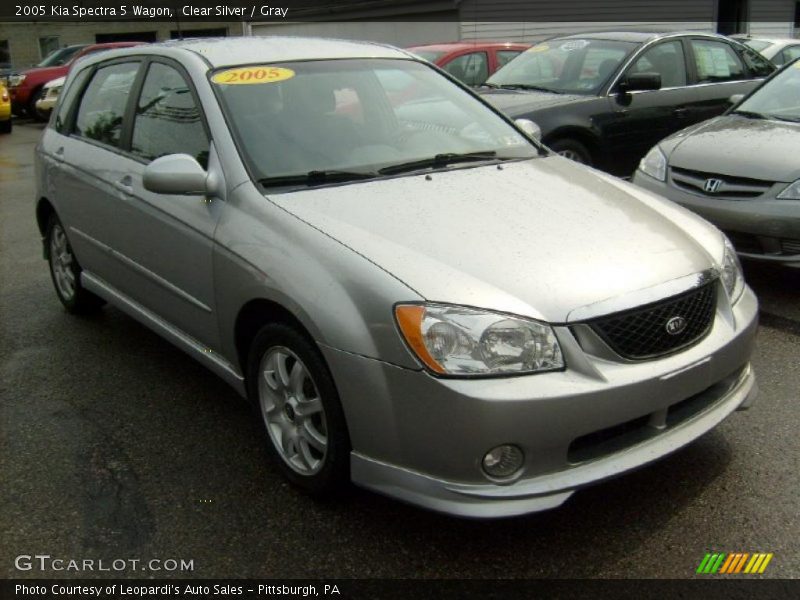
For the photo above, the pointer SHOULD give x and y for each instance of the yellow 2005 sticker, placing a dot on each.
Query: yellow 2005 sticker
(252, 75)
(538, 48)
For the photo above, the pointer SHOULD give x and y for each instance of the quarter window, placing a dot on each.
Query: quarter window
(667, 60)
(716, 61)
(472, 69)
(103, 105)
(167, 119)
(68, 96)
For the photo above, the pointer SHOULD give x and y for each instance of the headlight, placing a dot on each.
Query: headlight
(732, 277)
(15, 80)
(654, 164)
(792, 191)
(454, 340)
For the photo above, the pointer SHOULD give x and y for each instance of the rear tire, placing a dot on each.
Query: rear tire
(297, 405)
(573, 150)
(66, 272)
(5, 126)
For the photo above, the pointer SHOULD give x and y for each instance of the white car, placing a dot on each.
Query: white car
(779, 50)
(49, 97)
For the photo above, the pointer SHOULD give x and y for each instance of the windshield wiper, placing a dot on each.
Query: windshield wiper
(749, 114)
(528, 86)
(785, 118)
(440, 160)
(316, 178)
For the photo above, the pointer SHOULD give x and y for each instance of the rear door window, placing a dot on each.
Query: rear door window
(715, 61)
(102, 110)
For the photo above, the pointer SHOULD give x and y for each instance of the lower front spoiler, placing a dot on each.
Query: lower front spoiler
(549, 490)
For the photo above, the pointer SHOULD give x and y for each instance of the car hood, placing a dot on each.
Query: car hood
(517, 103)
(44, 73)
(539, 238)
(741, 147)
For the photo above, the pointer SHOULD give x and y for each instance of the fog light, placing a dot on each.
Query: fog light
(503, 461)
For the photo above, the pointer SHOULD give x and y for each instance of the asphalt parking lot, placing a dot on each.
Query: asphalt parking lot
(117, 445)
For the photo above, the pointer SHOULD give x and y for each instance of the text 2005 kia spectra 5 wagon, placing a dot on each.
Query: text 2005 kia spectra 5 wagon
(415, 296)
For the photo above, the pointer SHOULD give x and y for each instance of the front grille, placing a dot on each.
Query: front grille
(641, 333)
(755, 244)
(730, 186)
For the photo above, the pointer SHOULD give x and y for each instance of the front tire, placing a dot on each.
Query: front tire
(573, 150)
(66, 272)
(5, 126)
(298, 407)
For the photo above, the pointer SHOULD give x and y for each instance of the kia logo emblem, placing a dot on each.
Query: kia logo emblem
(712, 186)
(675, 325)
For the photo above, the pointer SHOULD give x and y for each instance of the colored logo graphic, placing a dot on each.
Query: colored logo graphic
(736, 562)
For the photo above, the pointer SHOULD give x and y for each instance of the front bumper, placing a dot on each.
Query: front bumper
(421, 439)
(45, 105)
(763, 228)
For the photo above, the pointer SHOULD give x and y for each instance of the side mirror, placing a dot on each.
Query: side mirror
(736, 98)
(176, 174)
(636, 82)
(529, 128)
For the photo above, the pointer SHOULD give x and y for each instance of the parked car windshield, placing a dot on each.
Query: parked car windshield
(779, 98)
(575, 66)
(60, 57)
(358, 116)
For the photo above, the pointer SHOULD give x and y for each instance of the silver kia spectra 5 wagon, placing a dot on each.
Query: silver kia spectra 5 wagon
(414, 293)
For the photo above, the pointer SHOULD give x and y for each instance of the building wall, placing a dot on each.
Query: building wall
(23, 38)
(397, 33)
(772, 18)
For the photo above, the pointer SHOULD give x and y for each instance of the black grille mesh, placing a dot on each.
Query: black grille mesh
(642, 332)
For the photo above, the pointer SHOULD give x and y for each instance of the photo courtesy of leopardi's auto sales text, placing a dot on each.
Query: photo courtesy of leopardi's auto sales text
(399, 298)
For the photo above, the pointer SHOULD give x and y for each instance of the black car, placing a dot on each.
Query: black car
(605, 99)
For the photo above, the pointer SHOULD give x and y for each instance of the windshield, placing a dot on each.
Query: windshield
(779, 98)
(758, 45)
(429, 55)
(575, 66)
(60, 57)
(351, 117)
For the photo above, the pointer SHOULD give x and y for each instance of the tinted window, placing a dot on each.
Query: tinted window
(68, 99)
(716, 61)
(665, 59)
(756, 64)
(788, 55)
(167, 118)
(103, 105)
(506, 56)
(472, 69)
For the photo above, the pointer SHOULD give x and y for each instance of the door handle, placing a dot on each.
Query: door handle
(125, 184)
(60, 153)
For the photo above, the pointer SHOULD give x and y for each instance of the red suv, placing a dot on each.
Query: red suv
(470, 62)
(26, 87)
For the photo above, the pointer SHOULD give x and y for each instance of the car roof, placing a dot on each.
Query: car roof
(635, 36)
(453, 46)
(764, 38)
(222, 52)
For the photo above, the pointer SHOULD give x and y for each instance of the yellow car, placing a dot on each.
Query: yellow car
(5, 110)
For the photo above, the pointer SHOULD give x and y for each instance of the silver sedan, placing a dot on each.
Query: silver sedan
(740, 171)
(414, 293)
